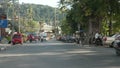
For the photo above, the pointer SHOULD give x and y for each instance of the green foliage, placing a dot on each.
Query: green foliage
(31, 14)
(95, 12)
(65, 27)
(40, 12)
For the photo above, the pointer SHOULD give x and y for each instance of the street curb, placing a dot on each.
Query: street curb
(3, 47)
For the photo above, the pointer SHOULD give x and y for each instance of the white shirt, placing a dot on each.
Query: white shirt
(97, 35)
(43, 34)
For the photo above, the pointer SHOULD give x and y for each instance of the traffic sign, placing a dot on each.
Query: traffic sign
(3, 23)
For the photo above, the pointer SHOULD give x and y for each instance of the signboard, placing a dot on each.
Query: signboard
(3, 23)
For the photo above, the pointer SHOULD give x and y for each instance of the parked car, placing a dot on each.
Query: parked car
(109, 40)
(117, 45)
(17, 39)
(66, 38)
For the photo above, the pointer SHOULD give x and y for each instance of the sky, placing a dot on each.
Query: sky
(52, 3)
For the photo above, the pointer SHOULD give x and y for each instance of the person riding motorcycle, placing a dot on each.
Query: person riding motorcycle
(43, 36)
(98, 39)
(30, 38)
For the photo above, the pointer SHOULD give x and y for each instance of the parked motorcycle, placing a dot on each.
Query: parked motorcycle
(31, 38)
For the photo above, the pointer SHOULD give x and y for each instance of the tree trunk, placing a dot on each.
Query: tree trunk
(90, 27)
(94, 25)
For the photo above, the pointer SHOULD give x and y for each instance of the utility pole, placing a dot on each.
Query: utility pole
(40, 23)
(13, 11)
(55, 23)
(19, 16)
(7, 10)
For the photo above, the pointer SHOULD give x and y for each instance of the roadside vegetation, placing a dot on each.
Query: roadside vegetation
(91, 16)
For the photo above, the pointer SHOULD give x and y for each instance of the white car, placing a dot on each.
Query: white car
(109, 41)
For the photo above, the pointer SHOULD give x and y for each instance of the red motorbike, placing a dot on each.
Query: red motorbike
(31, 38)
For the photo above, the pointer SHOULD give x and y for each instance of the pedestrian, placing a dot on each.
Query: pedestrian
(77, 36)
(82, 37)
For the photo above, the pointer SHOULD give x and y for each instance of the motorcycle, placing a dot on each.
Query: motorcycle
(77, 40)
(31, 38)
(98, 41)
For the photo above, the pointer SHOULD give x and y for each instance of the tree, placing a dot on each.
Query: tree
(92, 13)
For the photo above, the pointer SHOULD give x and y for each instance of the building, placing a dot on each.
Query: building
(46, 27)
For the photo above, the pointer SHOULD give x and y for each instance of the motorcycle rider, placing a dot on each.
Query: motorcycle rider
(98, 39)
(43, 36)
(30, 37)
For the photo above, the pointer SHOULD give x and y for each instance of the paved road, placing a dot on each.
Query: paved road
(54, 54)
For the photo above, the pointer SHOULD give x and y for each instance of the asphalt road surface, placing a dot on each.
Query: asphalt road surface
(54, 54)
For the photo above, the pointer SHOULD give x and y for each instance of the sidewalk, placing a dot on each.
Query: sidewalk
(54, 41)
(4, 44)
